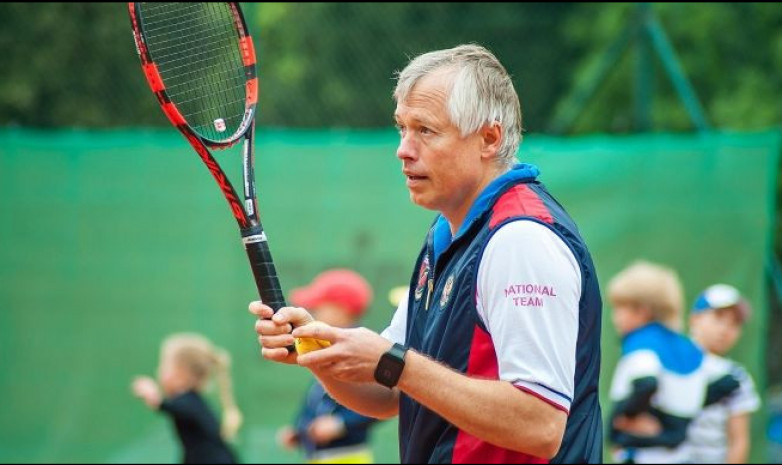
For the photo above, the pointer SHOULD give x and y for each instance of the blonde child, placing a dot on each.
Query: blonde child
(720, 434)
(659, 384)
(187, 363)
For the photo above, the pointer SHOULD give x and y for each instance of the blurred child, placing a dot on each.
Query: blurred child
(187, 363)
(721, 433)
(326, 431)
(659, 384)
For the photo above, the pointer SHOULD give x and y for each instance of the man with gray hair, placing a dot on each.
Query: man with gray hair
(494, 356)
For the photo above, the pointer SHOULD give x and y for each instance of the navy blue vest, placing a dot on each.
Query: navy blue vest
(443, 323)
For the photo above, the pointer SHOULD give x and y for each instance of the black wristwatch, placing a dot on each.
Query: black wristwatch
(390, 366)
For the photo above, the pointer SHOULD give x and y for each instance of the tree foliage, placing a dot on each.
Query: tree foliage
(337, 67)
(71, 64)
(332, 64)
(731, 52)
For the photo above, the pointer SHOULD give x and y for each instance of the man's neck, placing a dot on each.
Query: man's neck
(456, 218)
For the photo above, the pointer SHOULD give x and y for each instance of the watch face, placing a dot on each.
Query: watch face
(390, 366)
(386, 373)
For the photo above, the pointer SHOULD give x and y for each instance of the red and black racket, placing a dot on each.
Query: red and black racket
(199, 61)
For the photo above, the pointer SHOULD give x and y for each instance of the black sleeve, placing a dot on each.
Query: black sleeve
(674, 432)
(720, 389)
(183, 408)
(639, 399)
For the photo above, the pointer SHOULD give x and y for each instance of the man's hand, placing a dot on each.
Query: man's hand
(352, 356)
(274, 330)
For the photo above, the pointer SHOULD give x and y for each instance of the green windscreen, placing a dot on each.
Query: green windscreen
(109, 241)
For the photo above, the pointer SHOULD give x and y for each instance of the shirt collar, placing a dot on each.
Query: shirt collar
(441, 237)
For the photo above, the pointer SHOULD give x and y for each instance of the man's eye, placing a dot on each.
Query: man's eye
(425, 130)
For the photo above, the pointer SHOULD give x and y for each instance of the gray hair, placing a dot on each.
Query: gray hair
(481, 93)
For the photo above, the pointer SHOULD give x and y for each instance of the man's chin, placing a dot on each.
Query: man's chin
(421, 201)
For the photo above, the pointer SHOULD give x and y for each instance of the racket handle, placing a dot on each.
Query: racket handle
(263, 267)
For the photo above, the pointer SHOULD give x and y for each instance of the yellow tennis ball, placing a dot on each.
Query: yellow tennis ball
(308, 344)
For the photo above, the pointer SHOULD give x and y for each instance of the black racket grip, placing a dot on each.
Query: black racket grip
(265, 273)
(263, 268)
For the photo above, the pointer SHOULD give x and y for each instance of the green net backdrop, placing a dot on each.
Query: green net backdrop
(109, 241)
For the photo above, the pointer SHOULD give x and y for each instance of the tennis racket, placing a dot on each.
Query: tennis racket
(199, 60)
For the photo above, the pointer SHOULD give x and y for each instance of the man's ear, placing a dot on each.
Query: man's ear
(491, 139)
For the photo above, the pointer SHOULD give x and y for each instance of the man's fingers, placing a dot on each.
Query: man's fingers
(260, 310)
(317, 330)
(296, 316)
(280, 341)
(319, 359)
(270, 328)
(276, 355)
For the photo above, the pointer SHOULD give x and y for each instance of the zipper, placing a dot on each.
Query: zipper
(430, 282)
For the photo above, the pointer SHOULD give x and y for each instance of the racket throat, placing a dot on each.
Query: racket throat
(252, 235)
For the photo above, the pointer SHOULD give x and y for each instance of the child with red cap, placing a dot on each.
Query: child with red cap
(326, 431)
(720, 434)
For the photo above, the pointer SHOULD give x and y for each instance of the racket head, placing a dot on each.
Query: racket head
(200, 61)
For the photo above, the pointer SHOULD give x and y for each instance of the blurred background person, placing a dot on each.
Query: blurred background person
(326, 431)
(187, 363)
(721, 432)
(659, 384)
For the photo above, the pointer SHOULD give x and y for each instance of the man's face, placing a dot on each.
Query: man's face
(717, 330)
(443, 169)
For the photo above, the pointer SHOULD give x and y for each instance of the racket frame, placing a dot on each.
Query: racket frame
(245, 212)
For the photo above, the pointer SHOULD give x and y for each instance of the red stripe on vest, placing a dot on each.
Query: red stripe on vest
(520, 200)
(467, 448)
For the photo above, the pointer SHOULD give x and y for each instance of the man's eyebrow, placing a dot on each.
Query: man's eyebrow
(420, 118)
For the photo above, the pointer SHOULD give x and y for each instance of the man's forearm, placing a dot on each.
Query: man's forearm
(372, 400)
(491, 410)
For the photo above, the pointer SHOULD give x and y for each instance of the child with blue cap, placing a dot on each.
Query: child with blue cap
(721, 433)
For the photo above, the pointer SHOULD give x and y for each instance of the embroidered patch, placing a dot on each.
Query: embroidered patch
(446, 291)
(423, 273)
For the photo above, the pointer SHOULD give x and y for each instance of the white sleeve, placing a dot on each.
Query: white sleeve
(529, 288)
(396, 330)
(745, 399)
(635, 365)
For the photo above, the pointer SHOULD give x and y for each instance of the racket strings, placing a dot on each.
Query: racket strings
(196, 49)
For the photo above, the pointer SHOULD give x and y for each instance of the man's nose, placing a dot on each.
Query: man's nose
(406, 149)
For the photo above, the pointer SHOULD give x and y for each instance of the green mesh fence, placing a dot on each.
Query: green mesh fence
(109, 241)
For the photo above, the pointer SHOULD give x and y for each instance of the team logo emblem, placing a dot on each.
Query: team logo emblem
(423, 274)
(446, 291)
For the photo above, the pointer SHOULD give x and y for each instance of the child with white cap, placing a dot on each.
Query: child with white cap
(720, 434)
